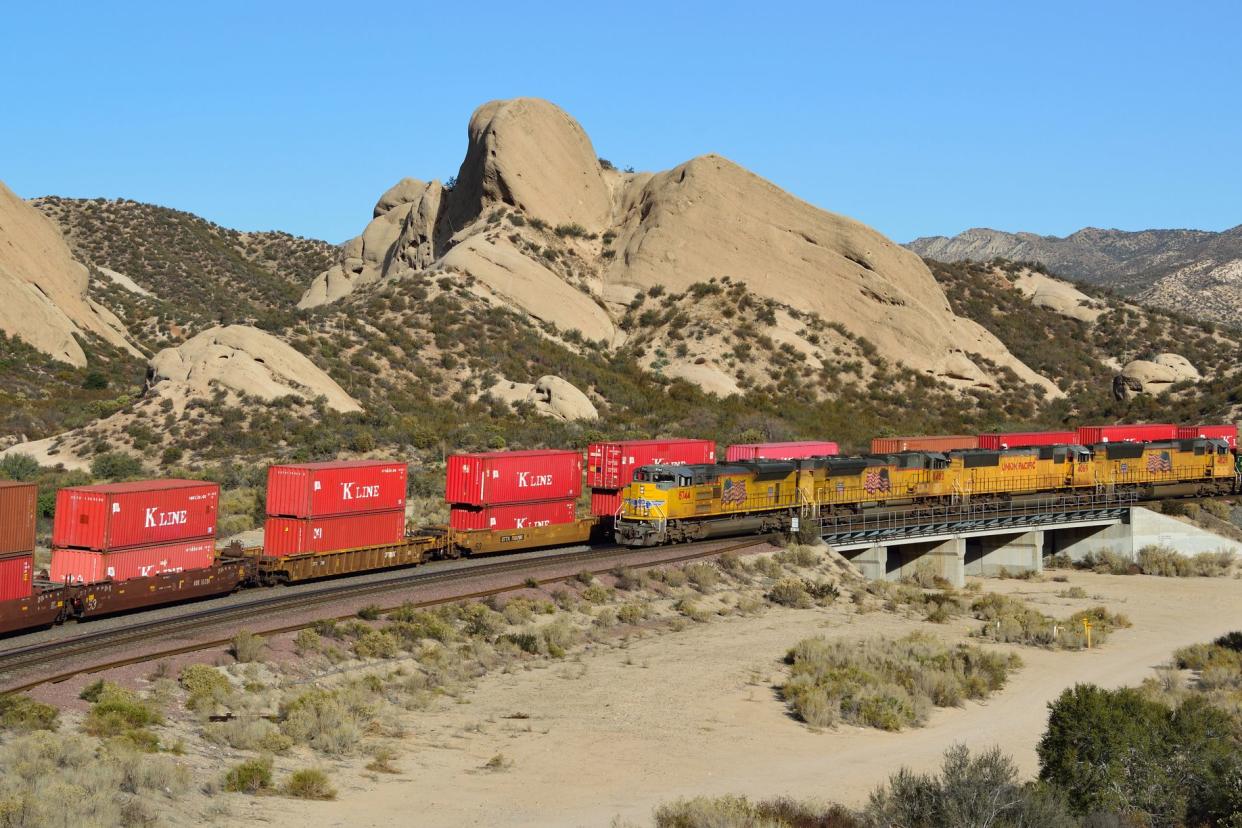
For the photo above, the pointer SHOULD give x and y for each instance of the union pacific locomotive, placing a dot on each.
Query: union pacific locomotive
(670, 504)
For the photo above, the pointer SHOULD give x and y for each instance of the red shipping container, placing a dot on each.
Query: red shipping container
(890, 445)
(117, 515)
(512, 515)
(86, 566)
(1017, 439)
(781, 451)
(298, 536)
(494, 477)
(18, 502)
(335, 488)
(16, 577)
(1228, 433)
(606, 502)
(1141, 433)
(611, 465)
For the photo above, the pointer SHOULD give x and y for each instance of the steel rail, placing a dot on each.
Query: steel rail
(35, 655)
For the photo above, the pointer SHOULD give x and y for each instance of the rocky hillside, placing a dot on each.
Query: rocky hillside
(169, 273)
(1115, 359)
(1193, 272)
(530, 172)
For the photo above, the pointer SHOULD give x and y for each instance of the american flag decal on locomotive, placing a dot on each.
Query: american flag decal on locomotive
(876, 480)
(734, 493)
(1159, 462)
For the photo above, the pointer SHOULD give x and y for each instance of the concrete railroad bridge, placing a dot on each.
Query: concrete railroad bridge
(986, 539)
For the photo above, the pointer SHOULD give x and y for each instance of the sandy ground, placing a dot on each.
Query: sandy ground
(622, 729)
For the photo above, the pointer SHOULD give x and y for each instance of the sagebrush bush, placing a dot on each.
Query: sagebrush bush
(791, 592)
(800, 555)
(22, 713)
(703, 576)
(330, 721)
(244, 733)
(740, 812)
(247, 647)
(252, 776)
(205, 686)
(309, 783)
(887, 683)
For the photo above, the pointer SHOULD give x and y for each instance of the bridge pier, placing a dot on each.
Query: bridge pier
(989, 555)
(894, 561)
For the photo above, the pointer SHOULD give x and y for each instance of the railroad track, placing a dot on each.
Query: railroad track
(54, 654)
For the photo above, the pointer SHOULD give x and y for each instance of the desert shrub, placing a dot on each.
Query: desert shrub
(1203, 656)
(631, 613)
(606, 617)
(749, 605)
(422, 625)
(307, 641)
(672, 576)
(382, 757)
(205, 686)
(791, 592)
(308, 783)
(800, 555)
(925, 576)
(377, 644)
(1010, 620)
(887, 683)
(703, 576)
(766, 565)
(740, 812)
(22, 713)
(1217, 509)
(565, 599)
(254, 734)
(527, 642)
(371, 612)
(252, 776)
(327, 720)
(596, 594)
(481, 621)
(1108, 562)
(247, 647)
(628, 580)
(1072, 592)
(119, 713)
(693, 611)
(558, 636)
(968, 791)
(1120, 752)
(518, 611)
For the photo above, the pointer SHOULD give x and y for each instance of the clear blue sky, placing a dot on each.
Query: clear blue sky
(918, 118)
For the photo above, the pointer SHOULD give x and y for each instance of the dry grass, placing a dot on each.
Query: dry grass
(887, 683)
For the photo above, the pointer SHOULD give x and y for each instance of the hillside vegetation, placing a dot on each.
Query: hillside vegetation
(193, 272)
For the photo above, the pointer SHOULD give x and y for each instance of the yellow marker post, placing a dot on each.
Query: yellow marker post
(1086, 628)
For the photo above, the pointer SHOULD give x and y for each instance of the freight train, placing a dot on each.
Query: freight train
(671, 504)
(129, 546)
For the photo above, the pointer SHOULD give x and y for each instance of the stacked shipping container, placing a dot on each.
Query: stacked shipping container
(1228, 433)
(1139, 433)
(781, 451)
(610, 466)
(121, 531)
(508, 490)
(314, 508)
(1019, 439)
(889, 445)
(17, 539)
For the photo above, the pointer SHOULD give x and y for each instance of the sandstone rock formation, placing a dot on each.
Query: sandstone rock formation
(551, 397)
(245, 360)
(1153, 376)
(44, 288)
(563, 399)
(1059, 296)
(701, 220)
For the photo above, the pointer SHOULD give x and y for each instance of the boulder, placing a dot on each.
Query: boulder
(1153, 376)
(562, 399)
(245, 360)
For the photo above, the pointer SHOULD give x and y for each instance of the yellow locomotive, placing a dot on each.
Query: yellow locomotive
(666, 504)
